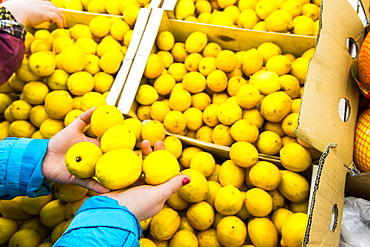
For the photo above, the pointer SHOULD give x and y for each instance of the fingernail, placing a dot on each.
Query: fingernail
(185, 181)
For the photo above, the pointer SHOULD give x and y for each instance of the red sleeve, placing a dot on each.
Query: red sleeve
(11, 55)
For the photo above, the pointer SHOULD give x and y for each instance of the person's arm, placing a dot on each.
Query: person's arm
(20, 168)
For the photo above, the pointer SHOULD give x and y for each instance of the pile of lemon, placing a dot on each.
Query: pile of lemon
(196, 88)
(64, 72)
(284, 16)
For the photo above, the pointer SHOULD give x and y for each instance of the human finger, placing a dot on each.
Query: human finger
(146, 148)
(91, 184)
(165, 190)
(82, 120)
(159, 145)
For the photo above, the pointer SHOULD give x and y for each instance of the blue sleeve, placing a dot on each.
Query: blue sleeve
(101, 221)
(20, 168)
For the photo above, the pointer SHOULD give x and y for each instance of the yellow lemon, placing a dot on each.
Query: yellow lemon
(153, 131)
(268, 142)
(200, 100)
(268, 49)
(243, 154)
(242, 130)
(290, 85)
(196, 42)
(234, 83)
(311, 10)
(274, 127)
(41, 64)
(300, 68)
(73, 58)
(50, 127)
(309, 53)
(231, 231)
(58, 80)
(253, 116)
(247, 4)
(100, 26)
(87, 44)
(21, 128)
(194, 118)
(24, 73)
(164, 84)
(204, 133)
(221, 135)
(258, 202)
(107, 43)
(104, 117)
(197, 189)
(228, 200)
(194, 82)
(211, 50)
(81, 159)
(136, 126)
(178, 52)
(213, 187)
(69, 192)
(247, 19)
(217, 80)
(265, 7)
(200, 215)
(71, 116)
(290, 123)
(73, 5)
(146, 94)
(40, 45)
(164, 224)
(34, 205)
(279, 20)
(220, 18)
(110, 61)
(173, 145)
(79, 83)
(279, 64)
(114, 173)
(226, 60)
(187, 154)
(269, 237)
(53, 213)
(165, 40)
(175, 122)
(92, 64)
(260, 26)
(177, 203)
(203, 162)
(294, 7)
(25, 237)
(4, 129)
(231, 174)
(184, 237)
(19, 109)
(265, 175)
(299, 207)
(59, 43)
(58, 103)
(303, 25)
(154, 67)
(130, 14)
(295, 157)
(143, 112)
(248, 96)
(267, 82)
(80, 30)
(184, 8)
(159, 110)
(294, 186)
(8, 227)
(160, 166)
(293, 230)
(252, 61)
(117, 137)
(275, 106)
(119, 28)
(92, 99)
(166, 57)
(229, 112)
(103, 82)
(279, 216)
(177, 70)
(208, 238)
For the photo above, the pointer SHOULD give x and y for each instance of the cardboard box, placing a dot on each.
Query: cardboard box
(329, 104)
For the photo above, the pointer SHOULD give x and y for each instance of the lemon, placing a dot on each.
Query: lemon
(311, 10)
(53, 213)
(200, 100)
(194, 118)
(160, 166)
(204, 133)
(231, 174)
(295, 157)
(159, 110)
(217, 80)
(104, 117)
(34, 205)
(14, 84)
(165, 41)
(194, 82)
(69, 192)
(185, 225)
(204, 17)
(294, 229)
(254, 116)
(294, 7)
(243, 154)
(187, 154)
(184, 237)
(248, 96)
(8, 227)
(211, 50)
(184, 8)
(4, 129)
(103, 82)
(203, 162)
(81, 159)
(299, 207)
(279, 216)
(213, 187)
(154, 67)
(247, 4)
(119, 28)
(228, 200)
(58, 80)
(35, 92)
(274, 127)
(229, 112)
(166, 57)
(247, 19)
(177, 70)
(114, 173)
(146, 94)
(197, 189)
(200, 215)
(25, 237)
(268, 49)
(49, 127)
(19, 109)
(294, 186)
(268, 237)
(258, 202)
(290, 123)
(80, 30)
(265, 7)
(226, 60)
(74, 5)
(39, 45)
(143, 112)
(117, 137)
(175, 122)
(35, 224)
(178, 52)
(202, 7)
(231, 231)
(196, 42)
(207, 65)
(164, 224)
(303, 25)
(92, 64)
(110, 61)
(300, 68)
(265, 175)
(136, 126)
(290, 85)
(275, 106)
(252, 61)
(41, 64)
(164, 84)
(24, 73)
(73, 58)
(124, 4)
(59, 43)
(92, 99)
(21, 128)
(100, 26)
(107, 43)
(221, 135)
(80, 83)
(220, 18)
(218, 98)
(268, 142)
(130, 14)
(87, 44)
(242, 130)
(279, 20)
(233, 11)
(234, 83)
(153, 131)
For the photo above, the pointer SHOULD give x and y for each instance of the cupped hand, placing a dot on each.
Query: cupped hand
(33, 12)
(53, 166)
(146, 201)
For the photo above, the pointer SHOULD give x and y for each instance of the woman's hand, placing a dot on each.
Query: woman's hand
(33, 12)
(54, 168)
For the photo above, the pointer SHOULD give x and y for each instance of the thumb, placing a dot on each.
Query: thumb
(172, 186)
(83, 120)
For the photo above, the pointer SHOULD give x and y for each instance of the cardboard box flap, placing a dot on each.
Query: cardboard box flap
(328, 82)
(326, 203)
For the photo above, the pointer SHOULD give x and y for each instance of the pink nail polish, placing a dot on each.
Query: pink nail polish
(185, 181)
